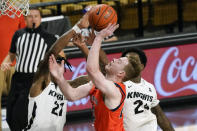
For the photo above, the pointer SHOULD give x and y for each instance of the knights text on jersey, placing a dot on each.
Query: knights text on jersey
(47, 112)
(106, 119)
(140, 98)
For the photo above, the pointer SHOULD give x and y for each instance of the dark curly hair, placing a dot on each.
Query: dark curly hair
(138, 51)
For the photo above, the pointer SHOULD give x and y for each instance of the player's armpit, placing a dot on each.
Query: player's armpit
(162, 120)
(40, 82)
(36, 87)
(79, 81)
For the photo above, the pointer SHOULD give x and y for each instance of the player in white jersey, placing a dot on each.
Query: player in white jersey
(47, 111)
(140, 98)
(47, 106)
(141, 109)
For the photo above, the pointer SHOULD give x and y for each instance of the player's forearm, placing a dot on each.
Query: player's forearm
(79, 81)
(84, 50)
(162, 120)
(93, 57)
(55, 49)
(61, 43)
(67, 90)
(103, 60)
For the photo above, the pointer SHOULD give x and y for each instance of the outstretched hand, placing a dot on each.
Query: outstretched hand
(90, 39)
(78, 40)
(84, 21)
(108, 31)
(56, 70)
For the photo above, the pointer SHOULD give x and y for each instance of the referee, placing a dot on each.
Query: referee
(28, 47)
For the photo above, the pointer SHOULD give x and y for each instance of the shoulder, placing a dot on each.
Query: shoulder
(121, 86)
(20, 32)
(147, 83)
(128, 83)
(150, 85)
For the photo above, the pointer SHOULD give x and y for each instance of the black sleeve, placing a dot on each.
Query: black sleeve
(13, 43)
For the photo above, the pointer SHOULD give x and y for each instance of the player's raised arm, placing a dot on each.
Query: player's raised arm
(162, 120)
(93, 58)
(63, 42)
(72, 94)
(81, 42)
(41, 80)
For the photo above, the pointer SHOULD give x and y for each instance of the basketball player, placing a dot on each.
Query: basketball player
(108, 93)
(47, 107)
(141, 110)
(139, 103)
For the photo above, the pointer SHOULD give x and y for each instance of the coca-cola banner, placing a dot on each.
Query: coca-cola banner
(172, 70)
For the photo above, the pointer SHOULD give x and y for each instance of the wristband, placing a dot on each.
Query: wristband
(76, 29)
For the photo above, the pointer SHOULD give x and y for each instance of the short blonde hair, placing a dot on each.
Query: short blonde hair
(132, 69)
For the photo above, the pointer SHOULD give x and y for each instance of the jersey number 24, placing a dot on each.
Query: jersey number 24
(139, 103)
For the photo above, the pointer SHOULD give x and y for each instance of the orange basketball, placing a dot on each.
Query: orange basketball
(101, 16)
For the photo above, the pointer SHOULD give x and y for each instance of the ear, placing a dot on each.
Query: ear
(121, 74)
(141, 67)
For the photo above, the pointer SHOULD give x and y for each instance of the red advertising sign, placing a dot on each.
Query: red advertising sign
(172, 70)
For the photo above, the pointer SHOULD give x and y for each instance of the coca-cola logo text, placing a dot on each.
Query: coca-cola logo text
(178, 69)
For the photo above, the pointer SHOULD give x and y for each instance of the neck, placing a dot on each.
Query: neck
(136, 79)
(113, 78)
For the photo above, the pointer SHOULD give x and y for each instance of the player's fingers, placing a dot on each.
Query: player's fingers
(80, 37)
(114, 27)
(53, 58)
(62, 63)
(109, 26)
(50, 59)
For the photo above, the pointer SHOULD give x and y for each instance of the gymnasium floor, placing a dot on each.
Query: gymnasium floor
(183, 118)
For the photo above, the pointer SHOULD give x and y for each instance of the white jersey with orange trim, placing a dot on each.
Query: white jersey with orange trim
(47, 111)
(140, 98)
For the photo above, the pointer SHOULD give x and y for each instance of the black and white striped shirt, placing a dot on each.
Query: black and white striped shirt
(30, 47)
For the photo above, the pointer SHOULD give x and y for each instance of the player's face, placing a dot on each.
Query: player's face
(33, 17)
(117, 65)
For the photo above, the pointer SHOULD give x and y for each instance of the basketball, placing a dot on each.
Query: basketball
(101, 16)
